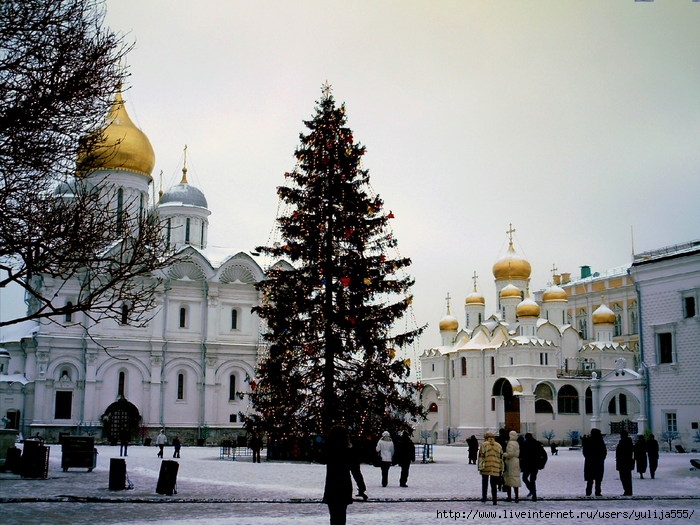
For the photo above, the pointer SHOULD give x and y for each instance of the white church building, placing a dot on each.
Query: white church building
(184, 371)
(525, 368)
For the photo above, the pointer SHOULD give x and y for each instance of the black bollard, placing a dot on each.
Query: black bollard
(167, 478)
(117, 474)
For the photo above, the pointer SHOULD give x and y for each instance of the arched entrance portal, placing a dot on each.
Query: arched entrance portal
(504, 387)
(121, 416)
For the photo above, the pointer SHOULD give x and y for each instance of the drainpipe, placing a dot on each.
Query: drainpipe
(164, 350)
(647, 392)
(203, 352)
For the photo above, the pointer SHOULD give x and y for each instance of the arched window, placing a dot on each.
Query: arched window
(187, 231)
(183, 317)
(120, 210)
(69, 313)
(125, 313)
(589, 400)
(180, 386)
(232, 387)
(234, 319)
(121, 383)
(168, 226)
(612, 406)
(464, 366)
(567, 400)
(542, 406)
(433, 408)
(201, 244)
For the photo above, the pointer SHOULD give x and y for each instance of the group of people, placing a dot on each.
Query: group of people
(628, 455)
(343, 460)
(503, 459)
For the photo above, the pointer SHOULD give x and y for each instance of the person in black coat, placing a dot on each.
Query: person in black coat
(404, 455)
(473, 444)
(594, 452)
(653, 454)
(502, 439)
(624, 461)
(337, 493)
(640, 456)
(532, 456)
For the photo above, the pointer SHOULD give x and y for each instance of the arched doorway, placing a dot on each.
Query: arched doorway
(503, 387)
(120, 416)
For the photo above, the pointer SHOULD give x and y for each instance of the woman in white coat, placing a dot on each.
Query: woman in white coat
(385, 447)
(511, 458)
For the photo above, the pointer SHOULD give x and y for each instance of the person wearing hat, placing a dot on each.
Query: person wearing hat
(385, 447)
(490, 466)
(512, 466)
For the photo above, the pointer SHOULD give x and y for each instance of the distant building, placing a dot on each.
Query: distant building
(526, 368)
(668, 284)
(184, 371)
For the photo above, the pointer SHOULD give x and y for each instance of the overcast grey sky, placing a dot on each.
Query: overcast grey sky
(577, 121)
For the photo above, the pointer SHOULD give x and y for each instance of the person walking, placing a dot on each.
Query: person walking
(176, 447)
(511, 475)
(652, 454)
(337, 492)
(624, 461)
(123, 442)
(473, 445)
(490, 465)
(640, 456)
(404, 456)
(594, 451)
(533, 457)
(356, 470)
(160, 441)
(385, 447)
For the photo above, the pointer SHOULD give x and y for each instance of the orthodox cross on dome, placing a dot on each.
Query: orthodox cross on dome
(510, 233)
(474, 278)
(554, 270)
(184, 168)
(448, 303)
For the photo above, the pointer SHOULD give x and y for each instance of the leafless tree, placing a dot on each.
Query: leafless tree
(59, 70)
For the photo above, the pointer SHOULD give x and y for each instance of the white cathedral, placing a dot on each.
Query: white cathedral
(525, 368)
(185, 371)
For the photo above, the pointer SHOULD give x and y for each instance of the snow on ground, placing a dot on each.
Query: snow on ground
(223, 492)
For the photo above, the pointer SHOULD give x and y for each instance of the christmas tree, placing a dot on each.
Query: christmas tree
(332, 348)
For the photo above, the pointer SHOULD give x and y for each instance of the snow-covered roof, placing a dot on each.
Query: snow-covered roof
(14, 333)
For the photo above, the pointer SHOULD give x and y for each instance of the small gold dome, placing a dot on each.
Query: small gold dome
(510, 291)
(528, 308)
(511, 266)
(449, 324)
(123, 146)
(554, 294)
(475, 298)
(603, 315)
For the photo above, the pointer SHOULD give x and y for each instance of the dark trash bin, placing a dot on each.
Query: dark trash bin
(117, 474)
(78, 452)
(13, 460)
(167, 478)
(35, 460)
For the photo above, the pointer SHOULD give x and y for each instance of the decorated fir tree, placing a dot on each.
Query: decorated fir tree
(333, 351)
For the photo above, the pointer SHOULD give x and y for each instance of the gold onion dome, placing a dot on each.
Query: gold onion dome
(510, 291)
(475, 298)
(554, 293)
(122, 146)
(449, 323)
(511, 266)
(528, 308)
(603, 315)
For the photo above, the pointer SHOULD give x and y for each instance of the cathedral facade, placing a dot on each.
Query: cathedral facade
(524, 367)
(185, 370)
